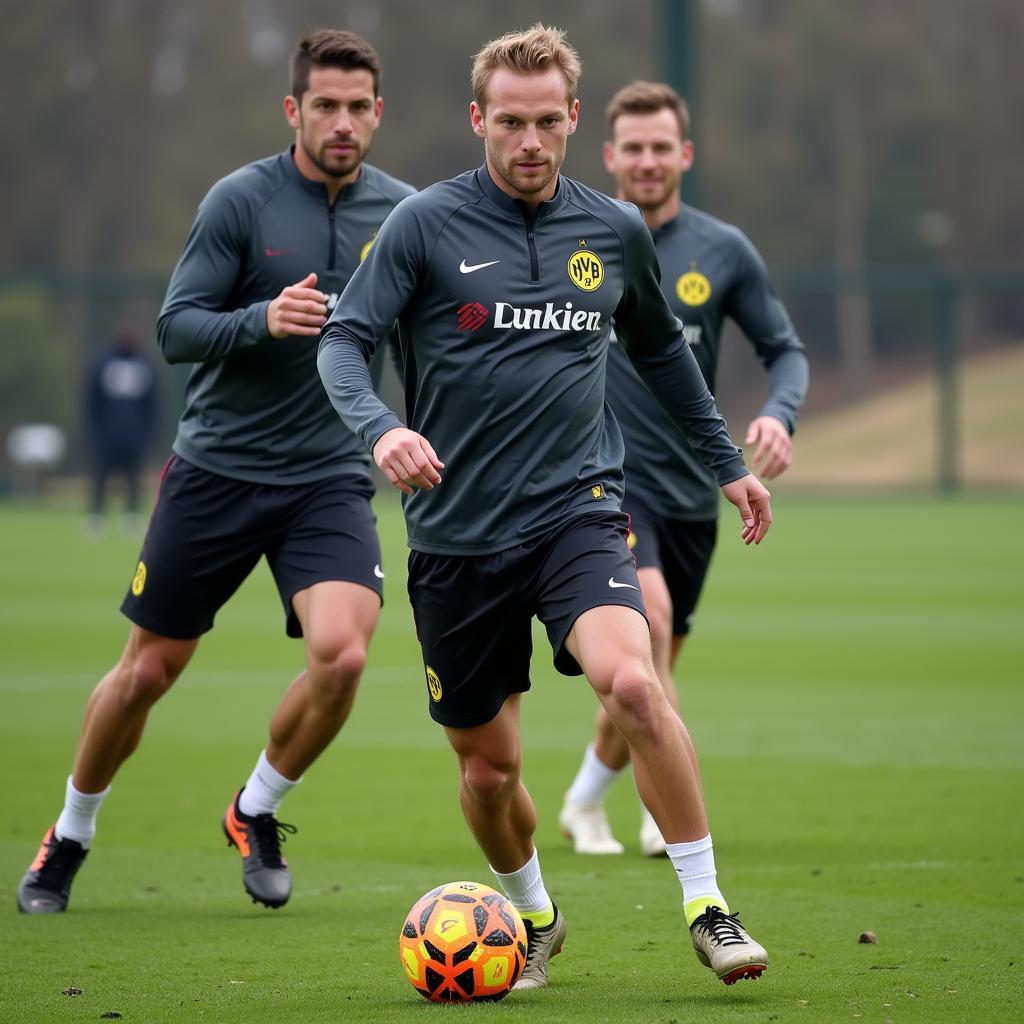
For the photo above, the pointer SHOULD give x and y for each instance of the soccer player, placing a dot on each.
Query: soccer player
(709, 270)
(121, 405)
(504, 281)
(261, 465)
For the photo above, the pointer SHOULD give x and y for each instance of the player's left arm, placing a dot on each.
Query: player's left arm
(764, 320)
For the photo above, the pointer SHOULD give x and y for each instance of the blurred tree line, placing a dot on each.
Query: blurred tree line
(835, 133)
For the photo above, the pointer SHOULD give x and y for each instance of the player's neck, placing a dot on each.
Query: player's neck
(333, 183)
(531, 200)
(656, 216)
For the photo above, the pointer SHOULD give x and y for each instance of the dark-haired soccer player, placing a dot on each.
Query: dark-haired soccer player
(504, 281)
(261, 465)
(709, 270)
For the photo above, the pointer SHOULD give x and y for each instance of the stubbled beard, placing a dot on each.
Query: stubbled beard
(646, 204)
(507, 174)
(336, 171)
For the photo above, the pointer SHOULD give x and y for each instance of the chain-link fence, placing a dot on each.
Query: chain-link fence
(915, 370)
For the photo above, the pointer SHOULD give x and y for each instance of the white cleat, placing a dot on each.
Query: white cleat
(588, 828)
(541, 945)
(721, 943)
(652, 842)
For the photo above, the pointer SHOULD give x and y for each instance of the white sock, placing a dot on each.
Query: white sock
(78, 818)
(592, 781)
(525, 889)
(265, 790)
(695, 865)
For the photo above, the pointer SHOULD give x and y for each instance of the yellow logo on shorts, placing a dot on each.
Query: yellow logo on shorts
(139, 579)
(693, 288)
(365, 251)
(433, 685)
(631, 540)
(586, 270)
(597, 491)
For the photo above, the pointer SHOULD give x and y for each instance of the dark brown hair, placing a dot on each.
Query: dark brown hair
(332, 48)
(649, 98)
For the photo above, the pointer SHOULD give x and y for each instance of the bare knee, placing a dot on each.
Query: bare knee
(335, 670)
(635, 700)
(488, 779)
(143, 676)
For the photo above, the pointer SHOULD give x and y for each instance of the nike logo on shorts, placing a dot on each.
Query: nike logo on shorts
(465, 268)
(614, 584)
(377, 572)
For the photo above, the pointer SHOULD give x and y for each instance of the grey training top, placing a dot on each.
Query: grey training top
(709, 271)
(254, 406)
(505, 321)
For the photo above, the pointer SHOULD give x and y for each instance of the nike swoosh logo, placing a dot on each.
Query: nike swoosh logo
(377, 572)
(465, 268)
(271, 251)
(614, 584)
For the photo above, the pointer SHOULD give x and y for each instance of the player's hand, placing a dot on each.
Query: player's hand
(774, 446)
(299, 309)
(407, 460)
(751, 497)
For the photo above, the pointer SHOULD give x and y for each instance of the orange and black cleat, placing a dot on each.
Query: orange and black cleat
(258, 839)
(46, 885)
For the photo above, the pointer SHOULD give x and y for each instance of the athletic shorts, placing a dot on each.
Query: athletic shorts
(680, 548)
(474, 612)
(208, 531)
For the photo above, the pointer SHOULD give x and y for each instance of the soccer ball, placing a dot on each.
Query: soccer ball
(463, 942)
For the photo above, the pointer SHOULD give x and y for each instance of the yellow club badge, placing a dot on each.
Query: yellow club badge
(693, 288)
(631, 540)
(365, 251)
(597, 491)
(586, 270)
(433, 685)
(139, 579)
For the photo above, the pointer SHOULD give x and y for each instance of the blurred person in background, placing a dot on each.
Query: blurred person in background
(709, 271)
(261, 466)
(504, 280)
(121, 407)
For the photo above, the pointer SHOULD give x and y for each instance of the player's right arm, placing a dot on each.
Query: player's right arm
(196, 324)
(756, 307)
(653, 340)
(371, 303)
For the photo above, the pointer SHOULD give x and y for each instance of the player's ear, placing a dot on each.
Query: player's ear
(687, 155)
(608, 152)
(476, 119)
(291, 111)
(574, 116)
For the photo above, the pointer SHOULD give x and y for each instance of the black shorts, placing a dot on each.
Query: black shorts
(680, 548)
(208, 531)
(473, 612)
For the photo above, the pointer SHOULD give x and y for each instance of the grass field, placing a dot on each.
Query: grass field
(856, 690)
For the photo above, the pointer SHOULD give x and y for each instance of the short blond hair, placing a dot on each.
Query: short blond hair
(538, 48)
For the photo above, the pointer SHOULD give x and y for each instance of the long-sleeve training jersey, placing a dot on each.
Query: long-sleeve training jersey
(505, 323)
(709, 270)
(254, 406)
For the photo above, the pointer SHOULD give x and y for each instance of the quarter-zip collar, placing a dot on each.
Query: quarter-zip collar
(347, 194)
(673, 224)
(517, 207)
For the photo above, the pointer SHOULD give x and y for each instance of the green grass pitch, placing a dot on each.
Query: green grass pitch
(856, 690)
